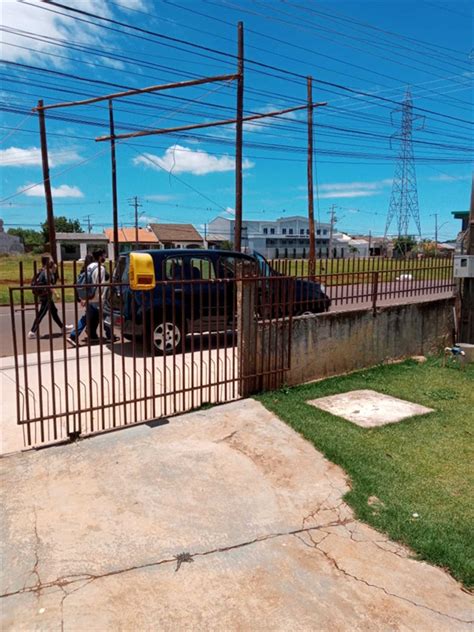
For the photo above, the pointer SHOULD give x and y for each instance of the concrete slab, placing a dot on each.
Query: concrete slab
(223, 519)
(369, 409)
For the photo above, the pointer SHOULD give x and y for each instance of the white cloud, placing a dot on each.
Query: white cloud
(352, 189)
(160, 197)
(444, 177)
(27, 17)
(63, 191)
(347, 194)
(230, 211)
(31, 157)
(179, 159)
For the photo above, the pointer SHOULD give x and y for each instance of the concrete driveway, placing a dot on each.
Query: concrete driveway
(223, 519)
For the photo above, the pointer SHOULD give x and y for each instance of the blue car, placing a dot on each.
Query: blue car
(191, 292)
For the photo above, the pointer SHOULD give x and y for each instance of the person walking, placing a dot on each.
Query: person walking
(42, 289)
(82, 323)
(95, 305)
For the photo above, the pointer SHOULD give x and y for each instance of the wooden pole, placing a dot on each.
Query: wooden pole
(183, 128)
(239, 139)
(47, 183)
(128, 93)
(114, 182)
(312, 232)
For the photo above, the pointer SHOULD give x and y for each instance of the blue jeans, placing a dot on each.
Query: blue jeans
(81, 325)
(93, 320)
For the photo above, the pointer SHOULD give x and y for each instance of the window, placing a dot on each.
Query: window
(318, 232)
(173, 268)
(307, 231)
(265, 231)
(283, 231)
(272, 231)
(301, 231)
(290, 232)
(227, 267)
(202, 268)
(325, 232)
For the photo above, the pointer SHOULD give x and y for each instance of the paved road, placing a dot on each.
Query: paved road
(345, 297)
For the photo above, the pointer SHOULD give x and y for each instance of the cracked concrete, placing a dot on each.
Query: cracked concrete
(221, 519)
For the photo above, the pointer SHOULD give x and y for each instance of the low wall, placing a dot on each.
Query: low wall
(337, 342)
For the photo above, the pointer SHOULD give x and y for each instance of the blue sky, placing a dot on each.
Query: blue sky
(377, 48)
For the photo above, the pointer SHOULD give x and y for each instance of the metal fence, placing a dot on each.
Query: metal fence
(191, 340)
(144, 354)
(373, 282)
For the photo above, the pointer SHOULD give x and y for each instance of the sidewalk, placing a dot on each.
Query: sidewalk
(222, 519)
(78, 379)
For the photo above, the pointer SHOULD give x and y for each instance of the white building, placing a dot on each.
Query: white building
(281, 238)
(286, 237)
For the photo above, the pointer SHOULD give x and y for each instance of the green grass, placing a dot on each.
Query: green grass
(355, 270)
(10, 277)
(345, 271)
(418, 466)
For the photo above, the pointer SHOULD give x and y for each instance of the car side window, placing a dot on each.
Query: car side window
(173, 268)
(226, 267)
(202, 268)
(230, 267)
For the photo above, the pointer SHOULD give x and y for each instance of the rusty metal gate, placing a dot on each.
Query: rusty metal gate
(186, 343)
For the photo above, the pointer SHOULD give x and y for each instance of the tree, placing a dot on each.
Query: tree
(62, 225)
(226, 245)
(33, 240)
(403, 245)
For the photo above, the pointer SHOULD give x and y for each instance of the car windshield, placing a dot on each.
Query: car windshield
(265, 267)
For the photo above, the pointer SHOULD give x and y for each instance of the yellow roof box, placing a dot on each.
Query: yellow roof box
(141, 271)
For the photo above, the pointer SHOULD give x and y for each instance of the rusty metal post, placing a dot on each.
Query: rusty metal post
(47, 183)
(375, 289)
(312, 236)
(114, 182)
(467, 297)
(239, 140)
(247, 325)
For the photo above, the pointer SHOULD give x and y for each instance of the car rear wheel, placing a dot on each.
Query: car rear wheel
(168, 338)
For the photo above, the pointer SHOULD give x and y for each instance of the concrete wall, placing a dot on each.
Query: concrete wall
(337, 342)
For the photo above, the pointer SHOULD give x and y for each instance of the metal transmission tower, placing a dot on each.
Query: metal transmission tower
(404, 198)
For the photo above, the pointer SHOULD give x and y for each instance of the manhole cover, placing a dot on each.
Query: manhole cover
(369, 409)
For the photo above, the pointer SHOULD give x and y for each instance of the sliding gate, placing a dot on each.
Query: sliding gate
(183, 345)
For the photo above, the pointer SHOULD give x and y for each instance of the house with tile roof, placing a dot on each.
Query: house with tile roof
(177, 236)
(131, 239)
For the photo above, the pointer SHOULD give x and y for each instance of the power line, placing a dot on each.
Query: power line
(230, 55)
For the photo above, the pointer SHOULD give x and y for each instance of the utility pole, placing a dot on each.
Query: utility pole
(89, 225)
(114, 181)
(370, 241)
(312, 236)
(136, 205)
(239, 139)
(467, 295)
(47, 183)
(435, 215)
(206, 246)
(331, 229)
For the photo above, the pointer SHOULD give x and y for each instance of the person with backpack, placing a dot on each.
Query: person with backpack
(82, 293)
(41, 286)
(95, 276)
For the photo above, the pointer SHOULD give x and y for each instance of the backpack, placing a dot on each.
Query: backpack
(39, 288)
(84, 293)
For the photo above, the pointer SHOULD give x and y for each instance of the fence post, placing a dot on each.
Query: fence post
(247, 333)
(375, 288)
